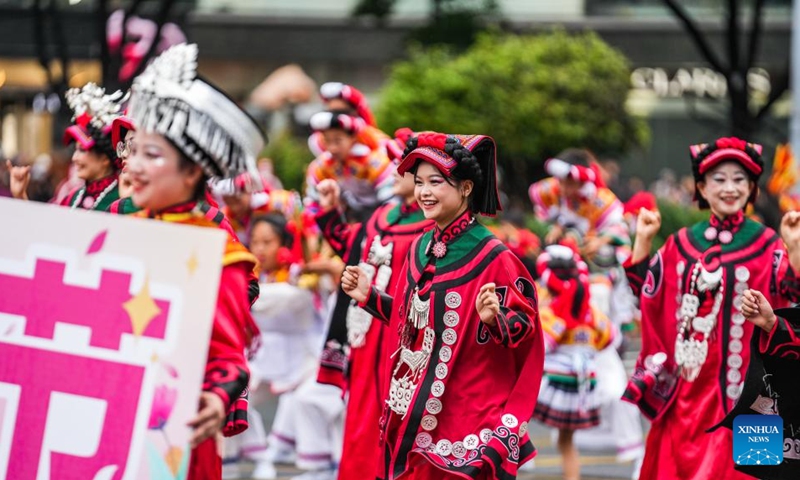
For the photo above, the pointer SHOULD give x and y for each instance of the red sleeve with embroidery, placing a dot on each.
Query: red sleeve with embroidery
(226, 370)
(339, 234)
(378, 304)
(788, 281)
(782, 341)
(636, 273)
(519, 315)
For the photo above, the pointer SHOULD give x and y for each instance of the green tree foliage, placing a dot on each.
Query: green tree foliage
(536, 95)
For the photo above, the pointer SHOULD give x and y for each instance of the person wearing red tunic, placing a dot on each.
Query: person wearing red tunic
(170, 159)
(574, 332)
(695, 339)
(465, 378)
(771, 386)
(380, 244)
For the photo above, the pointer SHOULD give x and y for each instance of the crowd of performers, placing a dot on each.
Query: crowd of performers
(402, 338)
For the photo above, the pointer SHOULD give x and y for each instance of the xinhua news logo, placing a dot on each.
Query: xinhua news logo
(758, 440)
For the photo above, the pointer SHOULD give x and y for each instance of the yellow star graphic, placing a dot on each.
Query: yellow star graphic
(192, 263)
(142, 309)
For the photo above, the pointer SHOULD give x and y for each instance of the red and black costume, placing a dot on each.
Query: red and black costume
(224, 141)
(695, 340)
(445, 417)
(232, 331)
(357, 350)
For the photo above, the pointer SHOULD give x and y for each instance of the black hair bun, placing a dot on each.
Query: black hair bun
(102, 144)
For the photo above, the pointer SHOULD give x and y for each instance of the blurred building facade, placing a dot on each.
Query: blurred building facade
(242, 41)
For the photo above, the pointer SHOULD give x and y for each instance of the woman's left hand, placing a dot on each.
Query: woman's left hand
(208, 421)
(487, 304)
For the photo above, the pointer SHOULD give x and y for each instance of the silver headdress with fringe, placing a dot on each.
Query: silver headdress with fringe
(91, 101)
(207, 126)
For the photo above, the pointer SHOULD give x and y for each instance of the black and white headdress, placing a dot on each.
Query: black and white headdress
(93, 113)
(170, 99)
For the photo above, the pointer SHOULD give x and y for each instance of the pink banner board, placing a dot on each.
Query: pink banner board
(104, 328)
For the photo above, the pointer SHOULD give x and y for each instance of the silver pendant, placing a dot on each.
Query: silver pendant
(704, 324)
(709, 280)
(419, 311)
(689, 305)
(690, 355)
(380, 254)
(401, 390)
(358, 320)
(358, 323)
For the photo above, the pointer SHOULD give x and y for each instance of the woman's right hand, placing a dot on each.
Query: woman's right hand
(19, 178)
(329, 194)
(648, 224)
(355, 283)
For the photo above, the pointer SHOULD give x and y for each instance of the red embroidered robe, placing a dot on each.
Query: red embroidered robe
(678, 445)
(363, 376)
(468, 415)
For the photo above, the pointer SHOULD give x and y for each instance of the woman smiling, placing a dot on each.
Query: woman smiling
(187, 131)
(465, 377)
(695, 340)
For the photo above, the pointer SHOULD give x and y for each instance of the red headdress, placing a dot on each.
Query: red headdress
(706, 156)
(322, 121)
(351, 95)
(566, 276)
(448, 153)
(639, 201)
(93, 115)
(589, 175)
(120, 126)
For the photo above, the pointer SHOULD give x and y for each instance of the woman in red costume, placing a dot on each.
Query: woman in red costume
(95, 159)
(695, 340)
(466, 375)
(186, 131)
(356, 355)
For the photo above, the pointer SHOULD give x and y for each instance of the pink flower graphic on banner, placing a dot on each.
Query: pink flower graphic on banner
(163, 403)
(97, 243)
